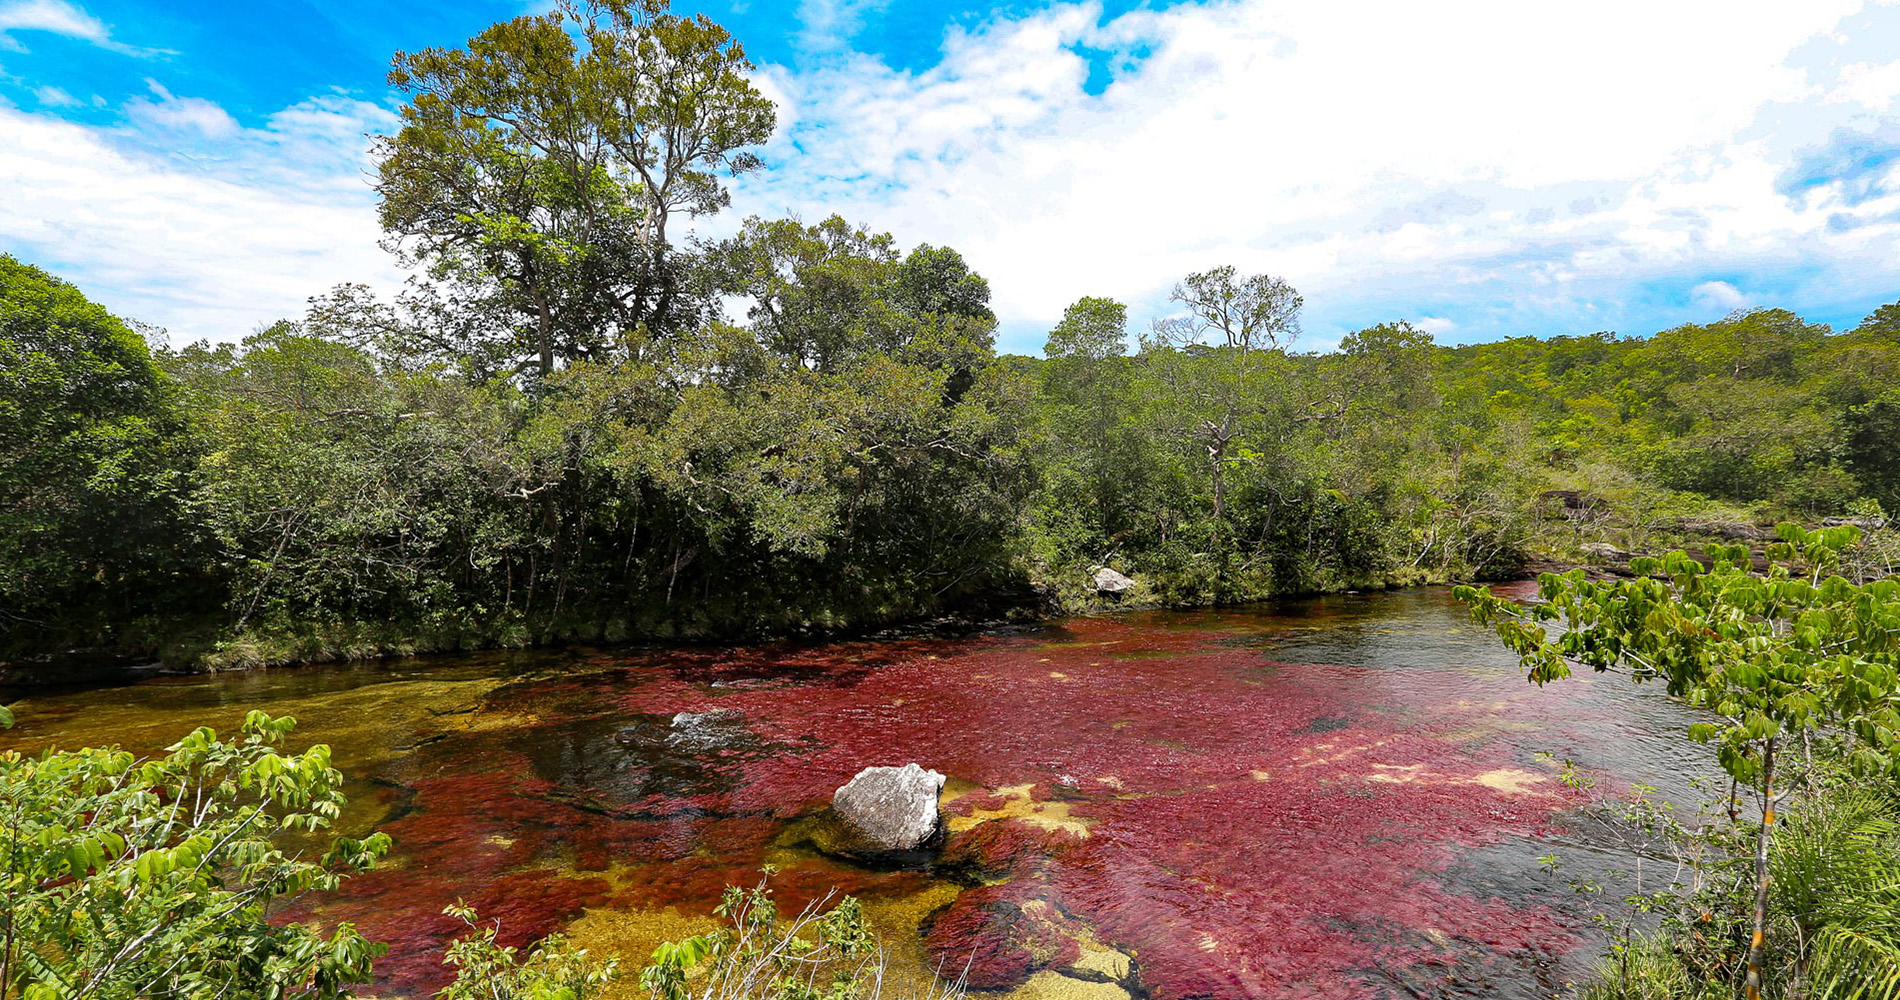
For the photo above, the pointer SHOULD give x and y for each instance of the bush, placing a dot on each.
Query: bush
(552, 969)
(819, 955)
(157, 878)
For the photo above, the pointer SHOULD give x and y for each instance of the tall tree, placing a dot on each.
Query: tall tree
(1257, 318)
(1091, 328)
(937, 281)
(819, 295)
(94, 478)
(546, 160)
(1260, 313)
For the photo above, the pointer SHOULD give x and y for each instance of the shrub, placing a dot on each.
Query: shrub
(157, 878)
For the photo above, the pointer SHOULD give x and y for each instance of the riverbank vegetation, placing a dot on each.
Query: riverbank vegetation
(577, 423)
(129, 877)
(1797, 667)
(855, 454)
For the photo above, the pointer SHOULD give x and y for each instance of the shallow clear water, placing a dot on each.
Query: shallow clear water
(1337, 797)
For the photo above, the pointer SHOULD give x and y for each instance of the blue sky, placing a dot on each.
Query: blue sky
(1483, 168)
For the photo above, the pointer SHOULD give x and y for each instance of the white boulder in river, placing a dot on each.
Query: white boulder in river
(1109, 583)
(894, 808)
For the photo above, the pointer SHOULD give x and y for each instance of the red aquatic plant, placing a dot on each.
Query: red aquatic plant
(1002, 848)
(1246, 826)
(997, 936)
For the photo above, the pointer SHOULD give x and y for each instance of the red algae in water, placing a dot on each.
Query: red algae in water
(1243, 827)
(998, 935)
(1003, 848)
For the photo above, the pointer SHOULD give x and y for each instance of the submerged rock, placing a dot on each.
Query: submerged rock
(1109, 583)
(889, 809)
(1010, 936)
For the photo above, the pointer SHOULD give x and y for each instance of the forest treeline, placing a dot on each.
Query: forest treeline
(575, 423)
(306, 493)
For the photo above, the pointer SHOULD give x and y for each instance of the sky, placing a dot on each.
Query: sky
(1481, 168)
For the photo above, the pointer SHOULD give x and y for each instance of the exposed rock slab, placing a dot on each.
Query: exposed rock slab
(889, 809)
(1603, 552)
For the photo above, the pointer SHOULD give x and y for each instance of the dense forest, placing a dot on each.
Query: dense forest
(853, 453)
(576, 423)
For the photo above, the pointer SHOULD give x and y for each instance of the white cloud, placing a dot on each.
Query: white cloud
(169, 112)
(1718, 295)
(53, 16)
(1496, 166)
(1867, 84)
(60, 18)
(210, 241)
(53, 97)
(1380, 155)
(831, 23)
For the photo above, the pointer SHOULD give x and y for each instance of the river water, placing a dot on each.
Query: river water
(1340, 797)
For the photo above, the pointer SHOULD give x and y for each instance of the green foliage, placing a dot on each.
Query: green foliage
(1872, 447)
(554, 432)
(760, 954)
(537, 170)
(94, 528)
(1793, 650)
(1834, 909)
(1786, 655)
(1093, 329)
(130, 878)
(552, 970)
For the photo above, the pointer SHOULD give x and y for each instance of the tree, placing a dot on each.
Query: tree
(937, 281)
(821, 295)
(1883, 322)
(342, 495)
(1873, 448)
(1257, 318)
(1775, 657)
(1092, 328)
(94, 470)
(548, 175)
(833, 295)
(1260, 313)
(123, 878)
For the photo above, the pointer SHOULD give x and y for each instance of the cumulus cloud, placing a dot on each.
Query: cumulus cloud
(1718, 295)
(1870, 85)
(1474, 163)
(209, 240)
(1473, 160)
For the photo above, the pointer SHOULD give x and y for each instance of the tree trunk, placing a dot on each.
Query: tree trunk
(1215, 460)
(1753, 989)
(544, 323)
(1217, 436)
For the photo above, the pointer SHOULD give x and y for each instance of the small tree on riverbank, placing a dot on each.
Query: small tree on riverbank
(159, 878)
(1779, 656)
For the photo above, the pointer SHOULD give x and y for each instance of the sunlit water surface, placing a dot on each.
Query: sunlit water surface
(1338, 797)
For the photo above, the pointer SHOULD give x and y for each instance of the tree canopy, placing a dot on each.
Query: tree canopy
(540, 166)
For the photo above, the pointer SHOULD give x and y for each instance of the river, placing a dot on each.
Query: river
(1337, 797)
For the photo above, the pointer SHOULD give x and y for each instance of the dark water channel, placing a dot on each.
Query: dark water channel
(1340, 797)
